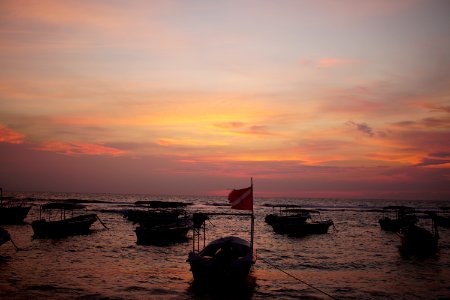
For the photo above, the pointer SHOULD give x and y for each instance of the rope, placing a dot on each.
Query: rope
(298, 279)
(14, 244)
(101, 222)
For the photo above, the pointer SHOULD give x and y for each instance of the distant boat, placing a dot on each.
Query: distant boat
(226, 261)
(160, 222)
(396, 217)
(155, 212)
(64, 226)
(12, 212)
(298, 221)
(418, 240)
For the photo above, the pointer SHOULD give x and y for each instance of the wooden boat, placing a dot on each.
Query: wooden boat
(396, 217)
(161, 222)
(65, 226)
(299, 222)
(223, 261)
(418, 240)
(226, 261)
(12, 212)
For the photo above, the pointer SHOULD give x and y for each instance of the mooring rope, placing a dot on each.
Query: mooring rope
(296, 278)
(101, 222)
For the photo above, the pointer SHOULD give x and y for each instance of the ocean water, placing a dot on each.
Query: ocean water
(355, 260)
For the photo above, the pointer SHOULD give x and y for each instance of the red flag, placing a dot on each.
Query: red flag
(241, 199)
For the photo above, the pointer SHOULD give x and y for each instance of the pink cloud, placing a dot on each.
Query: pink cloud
(79, 148)
(10, 136)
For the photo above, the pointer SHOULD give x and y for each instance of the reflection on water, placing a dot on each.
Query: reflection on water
(357, 261)
(227, 291)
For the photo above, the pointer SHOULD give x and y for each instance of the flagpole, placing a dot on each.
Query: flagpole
(253, 218)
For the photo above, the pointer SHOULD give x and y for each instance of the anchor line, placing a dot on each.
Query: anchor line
(296, 278)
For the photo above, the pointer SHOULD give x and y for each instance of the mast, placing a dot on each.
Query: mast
(252, 231)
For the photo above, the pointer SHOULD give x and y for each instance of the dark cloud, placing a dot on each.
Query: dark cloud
(440, 154)
(444, 108)
(432, 161)
(363, 127)
(425, 122)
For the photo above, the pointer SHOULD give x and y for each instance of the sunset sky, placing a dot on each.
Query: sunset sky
(310, 98)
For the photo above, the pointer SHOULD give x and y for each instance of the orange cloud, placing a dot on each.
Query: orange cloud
(79, 148)
(10, 136)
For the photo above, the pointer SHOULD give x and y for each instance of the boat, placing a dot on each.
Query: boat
(12, 212)
(155, 212)
(298, 221)
(418, 240)
(161, 222)
(64, 225)
(226, 261)
(396, 217)
(161, 234)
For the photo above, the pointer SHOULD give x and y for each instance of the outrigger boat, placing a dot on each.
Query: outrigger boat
(396, 217)
(64, 226)
(295, 221)
(226, 260)
(12, 212)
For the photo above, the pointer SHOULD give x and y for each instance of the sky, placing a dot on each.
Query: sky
(336, 99)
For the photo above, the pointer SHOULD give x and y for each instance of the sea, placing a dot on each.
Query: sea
(354, 260)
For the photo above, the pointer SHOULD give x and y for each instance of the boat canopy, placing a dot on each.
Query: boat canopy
(240, 246)
(64, 206)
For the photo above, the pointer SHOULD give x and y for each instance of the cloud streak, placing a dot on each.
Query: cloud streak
(75, 149)
(361, 127)
(10, 136)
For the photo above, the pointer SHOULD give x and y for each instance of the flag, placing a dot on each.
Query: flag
(242, 199)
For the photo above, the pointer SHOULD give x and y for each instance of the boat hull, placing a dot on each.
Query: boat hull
(302, 229)
(417, 240)
(208, 271)
(14, 214)
(224, 261)
(161, 234)
(71, 226)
